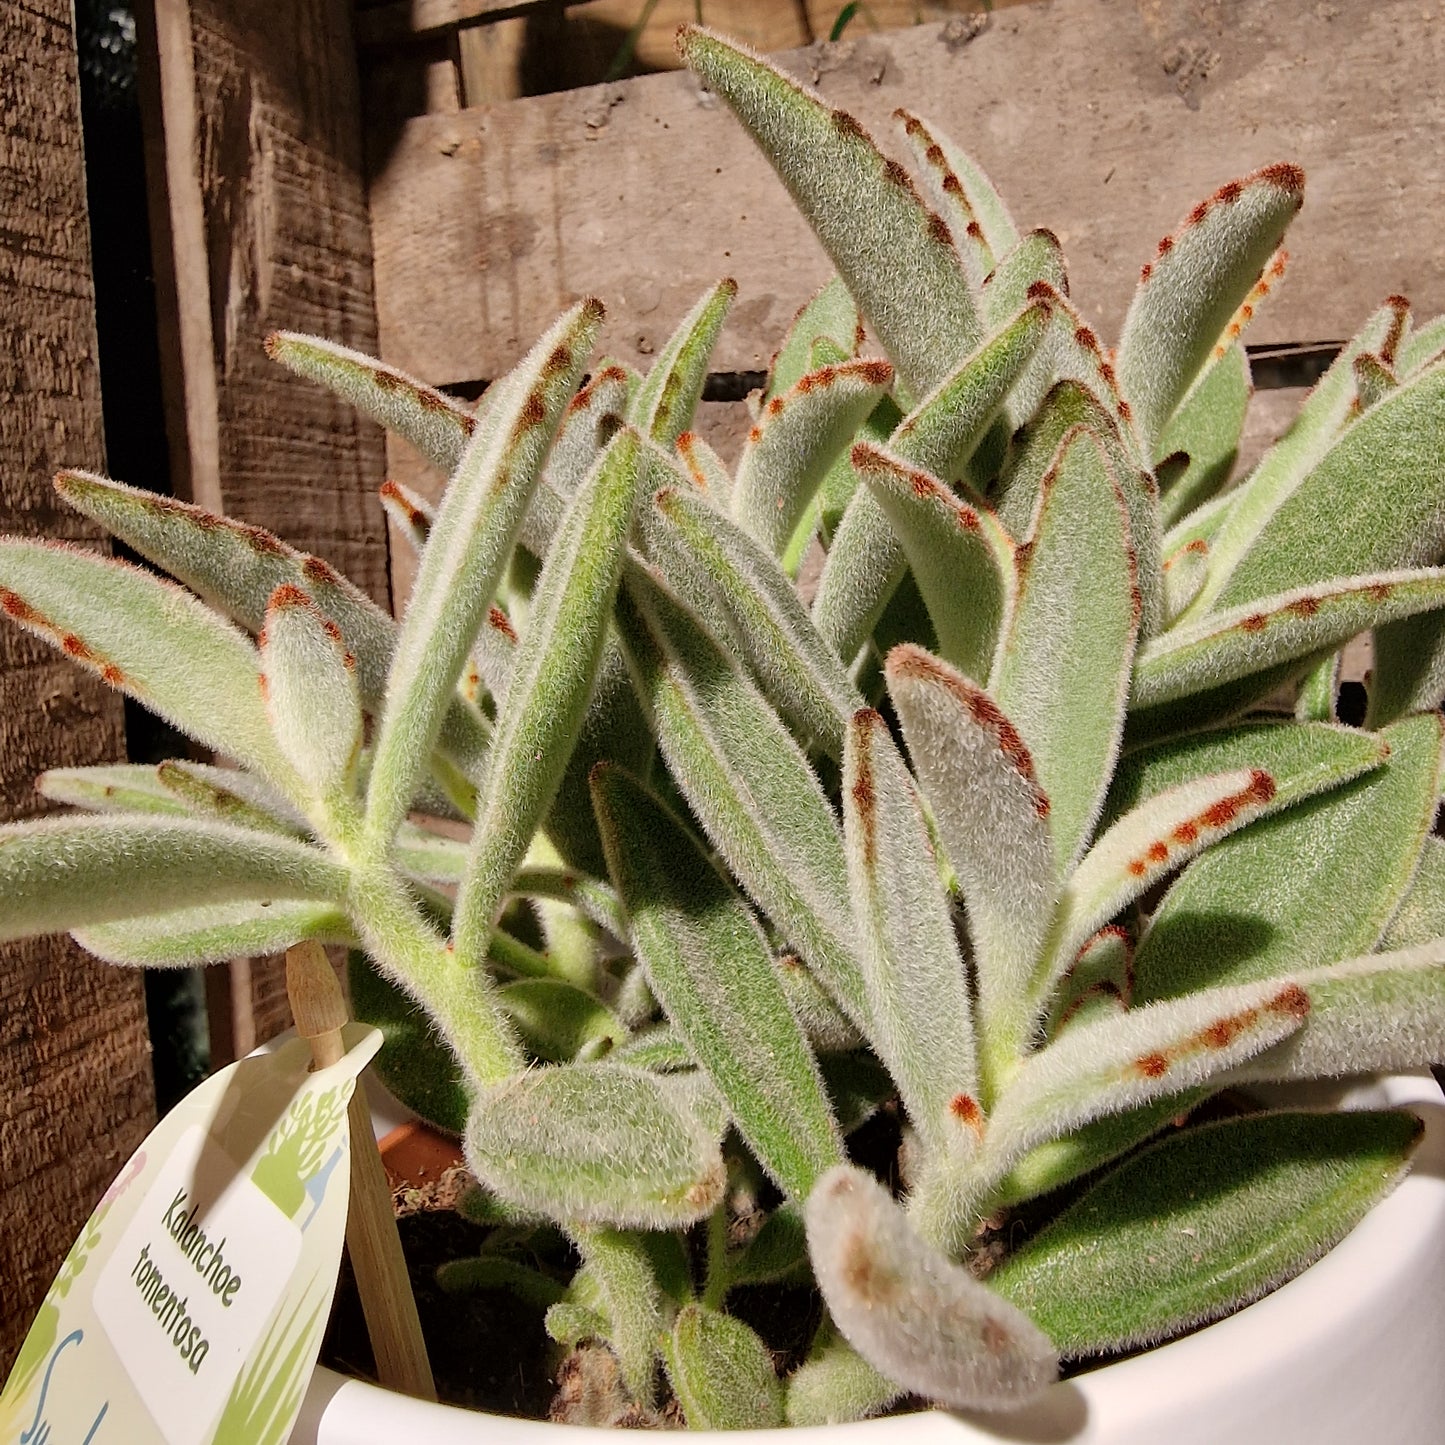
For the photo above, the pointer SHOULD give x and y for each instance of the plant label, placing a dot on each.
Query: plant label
(191, 1308)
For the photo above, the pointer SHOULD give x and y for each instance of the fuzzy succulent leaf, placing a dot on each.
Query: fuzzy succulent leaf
(975, 190)
(709, 965)
(225, 795)
(1264, 904)
(866, 560)
(662, 407)
(1202, 1223)
(862, 208)
(992, 818)
(829, 315)
(749, 785)
(1062, 671)
(1122, 1061)
(151, 640)
(559, 1021)
(466, 552)
(213, 933)
(836, 1385)
(1374, 502)
(708, 471)
(1142, 847)
(1248, 638)
(1037, 261)
(111, 788)
(1057, 1162)
(551, 685)
(618, 1264)
(1409, 668)
(932, 150)
(1185, 572)
(960, 557)
(436, 424)
(414, 1063)
(943, 431)
(799, 435)
(409, 512)
(792, 663)
(1191, 290)
(596, 1143)
(1300, 759)
(1246, 513)
(921, 1319)
(64, 873)
(309, 686)
(1206, 430)
(722, 1373)
(1422, 347)
(1068, 404)
(236, 567)
(1421, 915)
(1379, 1013)
(917, 990)
(589, 424)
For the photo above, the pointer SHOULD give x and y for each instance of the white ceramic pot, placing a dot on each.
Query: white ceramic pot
(1351, 1352)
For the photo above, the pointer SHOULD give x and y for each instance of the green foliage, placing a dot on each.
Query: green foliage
(993, 838)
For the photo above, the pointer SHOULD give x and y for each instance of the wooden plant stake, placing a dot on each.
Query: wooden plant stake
(387, 1301)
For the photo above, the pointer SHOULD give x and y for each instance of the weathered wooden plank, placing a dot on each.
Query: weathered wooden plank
(75, 1080)
(1104, 121)
(262, 208)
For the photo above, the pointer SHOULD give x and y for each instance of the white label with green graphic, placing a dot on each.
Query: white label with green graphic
(191, 1308)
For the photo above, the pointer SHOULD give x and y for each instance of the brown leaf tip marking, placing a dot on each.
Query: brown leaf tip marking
(911, 123)
(1145, 272)
(755, 435)
(1255, 622)
(593, 310)
(1041, 291)
(287, 596)
(848, 125)
(938, 229)
(393, 493)
(776, 404)
(498, 621)
(1380, 591)
(558, 361)
(1220, 814)
(1152, 1066)
(910, 661)
(273, 344)
(866, 1274)
(1286, 175)
(1304, 606)
(317, 571)
(965, 1108)
(17, 607)
(1292, 1001)
(533, 414)
(1199, 547)
(874, 373)
(862, 793)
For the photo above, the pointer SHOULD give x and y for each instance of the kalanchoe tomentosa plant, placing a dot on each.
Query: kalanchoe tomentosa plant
(1002, 831)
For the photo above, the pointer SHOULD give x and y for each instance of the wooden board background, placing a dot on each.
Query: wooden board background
(75, 1080)
(259, 205)
(1105, 119)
